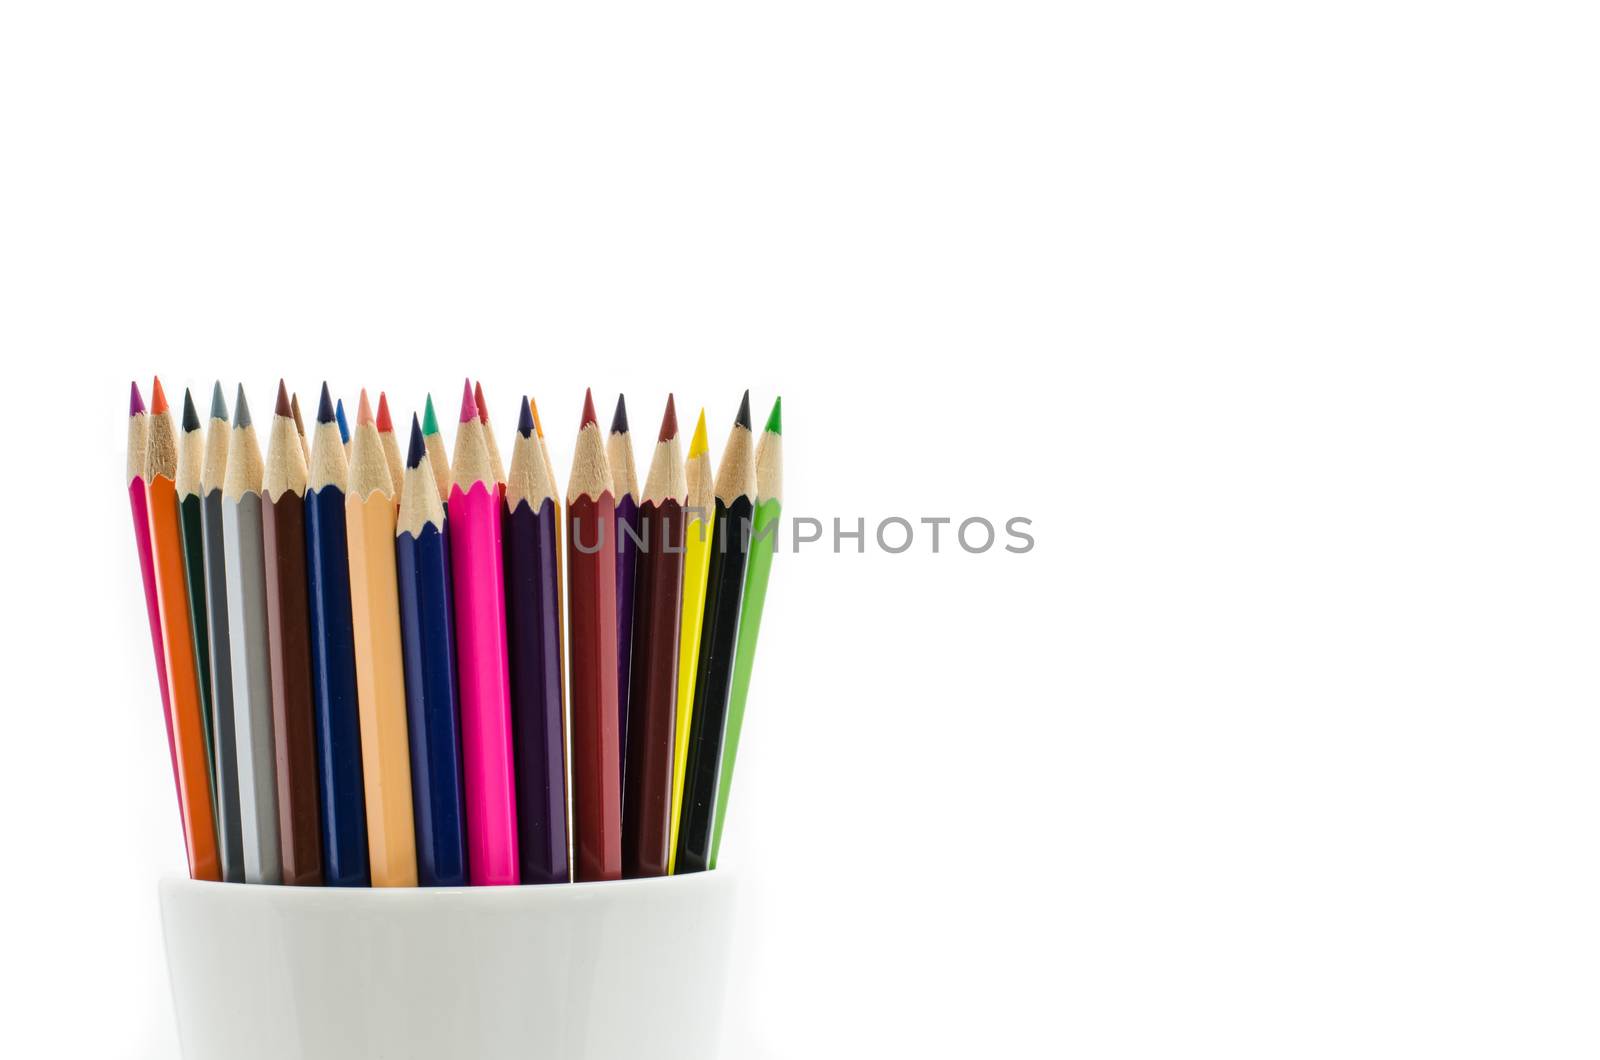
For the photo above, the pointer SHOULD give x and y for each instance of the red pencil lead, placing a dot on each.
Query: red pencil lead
(385, 424)
(363, 410)
(669, 422)
(588, 410)
(469, 407)
(483, 406)
(158, 398)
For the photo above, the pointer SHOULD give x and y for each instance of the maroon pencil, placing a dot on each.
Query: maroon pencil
(652, 713)
(592, 657)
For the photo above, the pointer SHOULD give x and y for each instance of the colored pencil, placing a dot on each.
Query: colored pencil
(333, 659)
(380, 666)
(245, 571)
(191, 457)
(730, 553)
(696, 565)
(478, 590)
(139, 503)
(658, 603)
(763, 546)
(495, 463)
(391, 448)
(592, 662)
(625, 487)
(294, 727)
(438, 459)
(533, 631)
(344, 430)
(300, 427)
(561, 614)
(166, 554)
(230, 849)
(422, 559)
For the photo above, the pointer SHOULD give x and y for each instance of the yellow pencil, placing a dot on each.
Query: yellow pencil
(380, 671)
(696, 565)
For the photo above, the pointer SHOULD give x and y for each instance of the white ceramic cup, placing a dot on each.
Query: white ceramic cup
(583, 971)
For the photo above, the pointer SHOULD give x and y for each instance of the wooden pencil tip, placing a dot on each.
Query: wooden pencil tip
(364, 409)
(533, 406)
(385, 424)
(135, 401)
(469, 407)
(241, 409)
(698, 444)
(344, 424)
(525, 419)
(191, 418)
(283, 407)
(483, 406)
(158, 398)
(669, 422)
(588, 410)
(219, 405)
(294, 412)
(619, 418)
(775, 421)
(325, 412)
(742, 419)
(415, 451)
(430, 422)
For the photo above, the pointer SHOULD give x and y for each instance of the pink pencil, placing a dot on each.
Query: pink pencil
(138, 428)
(483, 673)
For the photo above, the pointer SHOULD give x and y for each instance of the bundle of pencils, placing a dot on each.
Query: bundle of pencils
(402, 671)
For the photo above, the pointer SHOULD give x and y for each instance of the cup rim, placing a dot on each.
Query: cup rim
(174, 884)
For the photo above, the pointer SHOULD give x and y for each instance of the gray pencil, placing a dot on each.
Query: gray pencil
(247, 635)
(230, 847)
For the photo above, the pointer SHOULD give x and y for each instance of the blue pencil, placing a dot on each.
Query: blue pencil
(422, 558)
(333, 661)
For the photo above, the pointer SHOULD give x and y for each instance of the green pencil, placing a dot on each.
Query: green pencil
(763, 545)
(191, 458)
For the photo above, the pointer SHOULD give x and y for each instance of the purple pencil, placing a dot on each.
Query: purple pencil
(625, 484)
(533, 636)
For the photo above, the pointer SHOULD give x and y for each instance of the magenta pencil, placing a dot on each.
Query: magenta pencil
(139, 501)
(482, 674)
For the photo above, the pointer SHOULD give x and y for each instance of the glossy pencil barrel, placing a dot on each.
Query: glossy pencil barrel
(139, 503)
(696, 565)
(283, 535)
(647, 778)
(194, 580)
(724, 597)
(380, 682)
(592, 605)
(763, 546)
(628, 541)
(423, 563)
(194, 786)
(251, 698)
(533, 631)
(230, 849)
(478, 589)
(335, 700)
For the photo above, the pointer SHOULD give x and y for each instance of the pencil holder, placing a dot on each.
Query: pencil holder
(585, 971)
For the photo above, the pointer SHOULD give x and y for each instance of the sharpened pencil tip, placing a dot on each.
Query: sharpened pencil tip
(469, 407)
(525, 419)
(588, 410)
(158, 398)
(219, 406)
(191, 418)
(415, 451)
(344, 424)
(698, 444)
(135, 401)
(538, 427)
(364, 410)
(385, 424)
(775, 421)
(742, 419)
(325, 406)
(669, 422)
(483, 406)
(619, 418)
(294, 412)
(283, 407)
(241, 409)
(430, 422)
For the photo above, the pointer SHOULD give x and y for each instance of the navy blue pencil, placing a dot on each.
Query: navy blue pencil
(625, 488)
(422, 558)
(533, 634)
(333, 660)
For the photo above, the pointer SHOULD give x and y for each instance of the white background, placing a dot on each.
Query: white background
(1278, 320)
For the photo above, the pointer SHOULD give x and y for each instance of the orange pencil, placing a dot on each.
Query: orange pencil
(183, 683)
